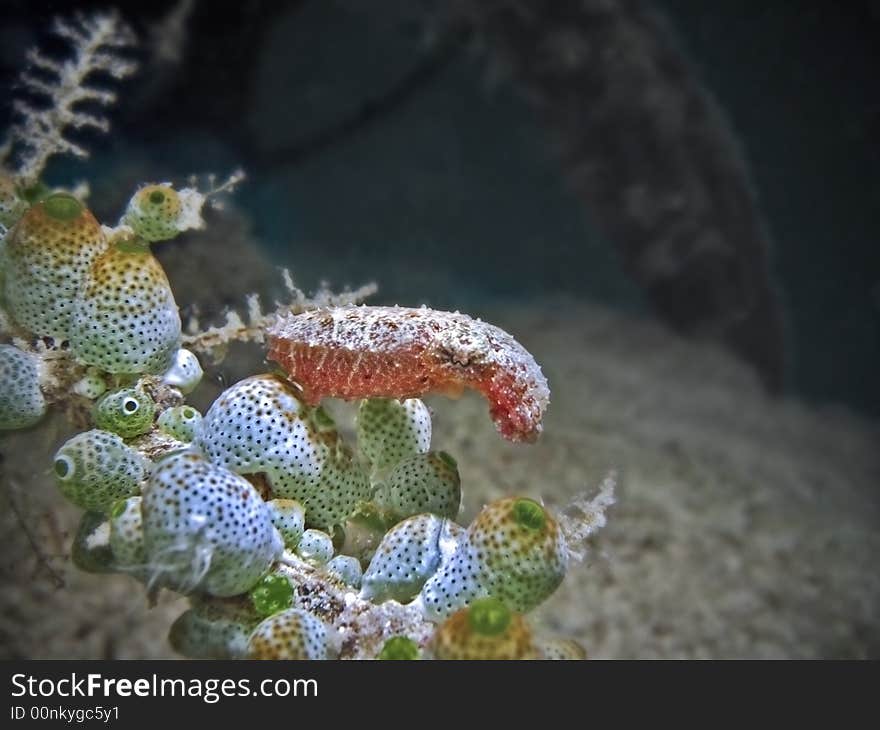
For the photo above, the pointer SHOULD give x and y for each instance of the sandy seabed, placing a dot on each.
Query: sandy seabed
(745, 526)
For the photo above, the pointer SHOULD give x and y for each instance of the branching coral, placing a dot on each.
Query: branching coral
(64, 87)
(290, 542)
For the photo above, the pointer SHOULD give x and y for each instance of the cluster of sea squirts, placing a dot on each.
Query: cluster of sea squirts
(259, 481)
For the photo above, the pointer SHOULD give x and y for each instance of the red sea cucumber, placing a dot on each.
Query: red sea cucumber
(394, 352)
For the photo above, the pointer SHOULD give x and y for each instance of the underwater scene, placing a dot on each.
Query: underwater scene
(463, 329)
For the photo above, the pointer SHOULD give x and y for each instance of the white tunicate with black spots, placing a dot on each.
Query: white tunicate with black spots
(409, 555)
(206, 528)
(22, 403)
(185, 372)
(457, 582)
(344, 485)
(125, 319)
(259, 425)
(315, 546)
(289, 518)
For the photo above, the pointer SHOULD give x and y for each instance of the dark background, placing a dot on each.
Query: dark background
(449, 193)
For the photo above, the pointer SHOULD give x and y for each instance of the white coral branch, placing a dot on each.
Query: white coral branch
(583, 516)
(214, 340)
(63, 86)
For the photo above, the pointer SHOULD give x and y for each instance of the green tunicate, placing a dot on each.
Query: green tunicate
(272, 594)
(489, 617)
(180, 422)
(399, 648)
(154, 213)
(95, 469)
(128, 412)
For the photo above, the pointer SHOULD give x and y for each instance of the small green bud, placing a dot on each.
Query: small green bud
(529, 514)
(489, 617)
(399, 648)
(62, 207)
(272, 594)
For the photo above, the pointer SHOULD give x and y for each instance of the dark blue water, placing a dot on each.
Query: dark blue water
(456, 198)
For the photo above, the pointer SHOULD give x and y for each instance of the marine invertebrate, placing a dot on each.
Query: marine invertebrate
(315, 547)
(185, 371)
(409, 554)
(139, 333)
(260, 426)
(206, 528)
(289, 541)
(399, 648)
(159, 212)
(48, 255)
(398, 352)
(96, 468)
(127, 537)
(273, 593)
(127, 412)
(215, 628)
(291, 634)
(486, 629)
(289, 518)
(389, 430)
(422, 483)
(514, 551)
(181, 422)
(22, 403)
